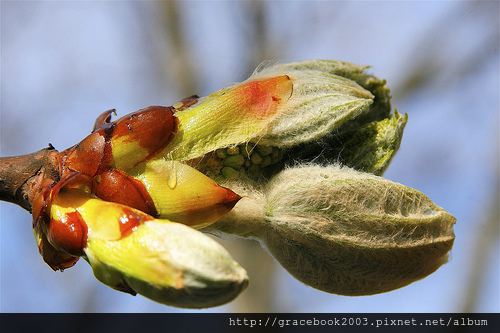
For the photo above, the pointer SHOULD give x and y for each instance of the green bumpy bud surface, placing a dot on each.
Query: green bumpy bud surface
(246, 161)
(369, 148)
(372, 147)
(169, 263)
(353, 233)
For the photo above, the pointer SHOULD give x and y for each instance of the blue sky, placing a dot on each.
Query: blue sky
(63, 63)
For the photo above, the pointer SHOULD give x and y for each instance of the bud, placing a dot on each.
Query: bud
(169, 263)
(132, 252)
(352, 233)
(289, 113)
(229, 116)
(183, 194)
(346, 232)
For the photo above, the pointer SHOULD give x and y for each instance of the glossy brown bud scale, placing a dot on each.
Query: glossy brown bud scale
(68, 234)
(151, 128)
(57, 260)
(120, 145)
(87, 156)
(116, 186)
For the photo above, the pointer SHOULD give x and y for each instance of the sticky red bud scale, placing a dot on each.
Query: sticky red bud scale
(116, 186)
(68, 234)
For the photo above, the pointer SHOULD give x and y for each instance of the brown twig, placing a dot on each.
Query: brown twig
(21, 176)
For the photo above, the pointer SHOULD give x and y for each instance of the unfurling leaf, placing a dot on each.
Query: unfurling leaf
(369, 148)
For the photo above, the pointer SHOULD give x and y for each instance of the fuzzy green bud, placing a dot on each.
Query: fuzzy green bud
(321, 102)
(282, 107)
(346, 232)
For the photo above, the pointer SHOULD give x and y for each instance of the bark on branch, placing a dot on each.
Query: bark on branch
(21, 176)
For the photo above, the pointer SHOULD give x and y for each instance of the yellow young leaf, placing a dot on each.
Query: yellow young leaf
(229, 116)
(183, 194)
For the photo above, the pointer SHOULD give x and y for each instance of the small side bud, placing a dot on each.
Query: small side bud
(132, 252)
(169, 263)
(183, 194)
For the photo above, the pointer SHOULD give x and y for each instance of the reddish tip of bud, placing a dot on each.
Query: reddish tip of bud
(230, 200)
(260, 96)
(202, 216)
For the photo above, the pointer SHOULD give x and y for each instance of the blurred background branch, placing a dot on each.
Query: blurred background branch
(486, 245)
(178, 62)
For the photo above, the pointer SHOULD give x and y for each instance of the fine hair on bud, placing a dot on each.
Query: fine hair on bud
(353, 233)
